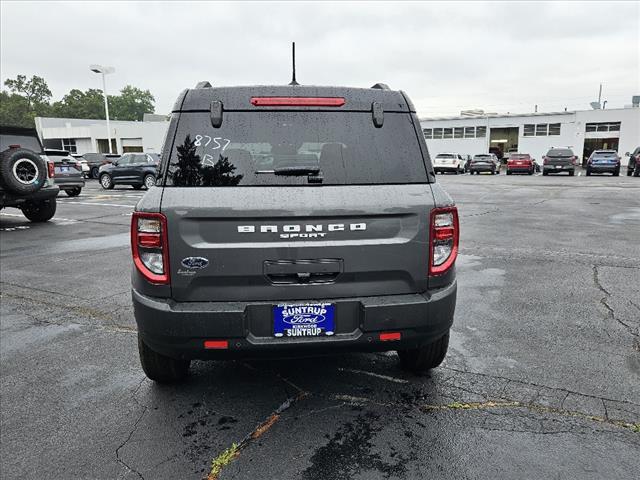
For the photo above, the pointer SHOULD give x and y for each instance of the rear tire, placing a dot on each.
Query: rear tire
(508, 172)
(571, 173)
(629, 172)
(424, 358)
(544, 173)
(73, 192)
(160, 368)
(94, 172)
(149, 181)
(22, 171)
(39, 212)
(106, 182)
(588, 173)
(616, 173)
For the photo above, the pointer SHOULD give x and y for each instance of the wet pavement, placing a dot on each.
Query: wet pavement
(542, 379)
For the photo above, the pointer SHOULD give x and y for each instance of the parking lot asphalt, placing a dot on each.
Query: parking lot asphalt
(542, 379)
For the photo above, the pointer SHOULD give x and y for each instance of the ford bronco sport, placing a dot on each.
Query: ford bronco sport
(293, 220)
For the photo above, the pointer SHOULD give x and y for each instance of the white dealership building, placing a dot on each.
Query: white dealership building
(476, 132)
(85, 135)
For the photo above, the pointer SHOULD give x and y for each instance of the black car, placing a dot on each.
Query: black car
(96, 160)
(135, 169)
(559, 160)
(26, 178)
(633, 167)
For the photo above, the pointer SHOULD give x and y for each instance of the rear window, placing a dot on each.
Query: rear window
(24, 141)
(560, 152)
(445, 155)
(520, 156)
(605, 154)
(482, 156)
(250, 147)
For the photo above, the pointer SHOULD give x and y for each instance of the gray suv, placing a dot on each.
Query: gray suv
(293, 220)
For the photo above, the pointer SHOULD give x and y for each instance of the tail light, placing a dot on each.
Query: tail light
(149, 246)
(544, 160)
(574, 159)
(51, 169)
(444, 237)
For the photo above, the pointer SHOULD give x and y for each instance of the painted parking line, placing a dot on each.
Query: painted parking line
(104, 204)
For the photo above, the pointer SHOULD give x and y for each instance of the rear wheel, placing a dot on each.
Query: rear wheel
(629, 172)
(508, 172)
(73, 192)
(571, 172)
(588, 173)
(616, 173)
(160, 368)
(106, 182)
(149, 181)
(94, 172)
(544, 173)
(425, 357)
(40, 211)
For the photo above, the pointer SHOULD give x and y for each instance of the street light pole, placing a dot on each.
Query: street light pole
(103, 71)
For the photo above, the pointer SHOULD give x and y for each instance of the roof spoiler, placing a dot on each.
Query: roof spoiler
(203, 84)
(381, 86)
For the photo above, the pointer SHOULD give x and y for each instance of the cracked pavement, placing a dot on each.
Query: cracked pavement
(542, 379)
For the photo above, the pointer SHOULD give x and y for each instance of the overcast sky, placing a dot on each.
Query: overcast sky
(501, 57)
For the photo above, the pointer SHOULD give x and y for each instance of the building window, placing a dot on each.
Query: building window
(481, 132)
(529, 130)
(447, 133)
(469, 132)
(69, 144)
(457, 132)
(437, 133)
(603, 127)
(554, 129)
(541, 130)
(427, 132)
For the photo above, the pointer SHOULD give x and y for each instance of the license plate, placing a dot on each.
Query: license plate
(64, 169)
(558, 166)
(303, 320)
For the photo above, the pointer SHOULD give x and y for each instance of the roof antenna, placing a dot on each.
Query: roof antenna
(293, 80)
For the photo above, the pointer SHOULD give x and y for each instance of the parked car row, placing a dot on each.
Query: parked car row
(556, 160)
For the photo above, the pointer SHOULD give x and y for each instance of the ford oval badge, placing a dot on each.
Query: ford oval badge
(195, 262)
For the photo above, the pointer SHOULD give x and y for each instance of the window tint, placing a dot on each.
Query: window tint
(560, 152)
(251, 147)
(445, 155)
(23, 140)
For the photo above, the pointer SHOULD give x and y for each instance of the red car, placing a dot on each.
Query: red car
(520, 163)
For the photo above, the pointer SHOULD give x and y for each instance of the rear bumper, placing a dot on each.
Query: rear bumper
(604, 168)
(482, 168)
(8, 199)
(559, 168)
(73, 182)
(448, 168)
(520, 168)
(179, 329)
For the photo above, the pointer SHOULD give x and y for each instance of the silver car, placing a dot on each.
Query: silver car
(68, 171)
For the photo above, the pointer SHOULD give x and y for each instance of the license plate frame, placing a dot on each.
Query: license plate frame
(303, 320)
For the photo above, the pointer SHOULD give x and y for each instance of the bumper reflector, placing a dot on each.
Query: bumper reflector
(216, 344)
(386, 336)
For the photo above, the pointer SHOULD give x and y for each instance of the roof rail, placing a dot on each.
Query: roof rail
(203, 84)
(381, 86)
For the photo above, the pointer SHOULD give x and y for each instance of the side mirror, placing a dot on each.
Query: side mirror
(627, 154)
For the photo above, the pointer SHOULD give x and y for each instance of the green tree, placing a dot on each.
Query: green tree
(131, 104)
(36, 90)
(79, 104)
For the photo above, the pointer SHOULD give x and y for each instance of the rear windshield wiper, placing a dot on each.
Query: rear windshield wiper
(296, 170)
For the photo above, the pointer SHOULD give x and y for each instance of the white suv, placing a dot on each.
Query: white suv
(448, 162)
